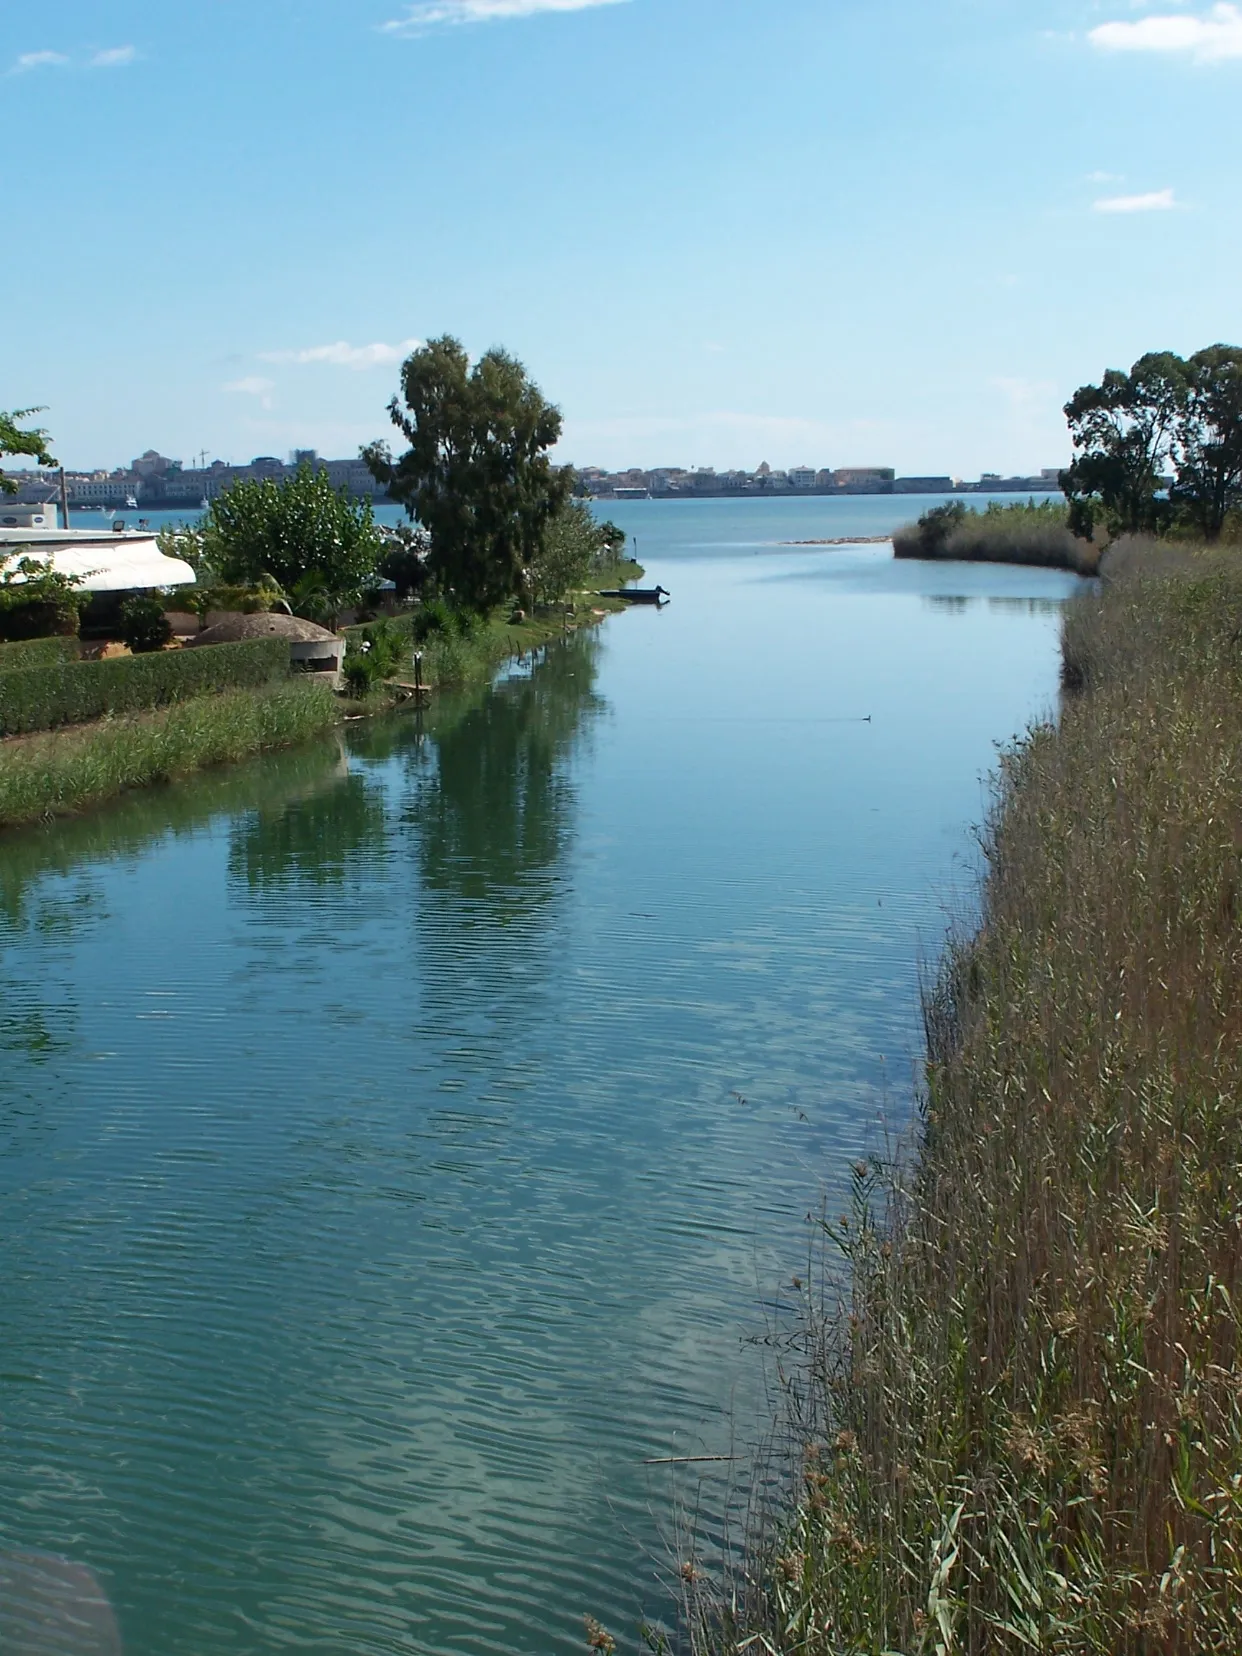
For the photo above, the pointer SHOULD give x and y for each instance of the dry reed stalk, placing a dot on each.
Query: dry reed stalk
(1021, 1412)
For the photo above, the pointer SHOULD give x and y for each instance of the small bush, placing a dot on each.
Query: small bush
(431, 620)
(375, 653)
(41, 698)
(144, 626)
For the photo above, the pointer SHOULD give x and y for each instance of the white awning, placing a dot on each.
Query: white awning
(104, 563)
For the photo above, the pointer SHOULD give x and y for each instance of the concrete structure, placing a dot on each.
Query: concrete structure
(312, 649)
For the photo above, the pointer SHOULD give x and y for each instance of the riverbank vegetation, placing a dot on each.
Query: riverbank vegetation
(500, 562)
(47, 694)
(1018, 1412)
(1019, 534)
(1157, 453)
(65, 771)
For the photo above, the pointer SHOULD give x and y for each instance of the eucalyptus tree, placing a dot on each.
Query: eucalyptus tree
(476, 474)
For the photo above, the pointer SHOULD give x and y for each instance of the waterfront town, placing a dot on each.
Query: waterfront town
(156, 482)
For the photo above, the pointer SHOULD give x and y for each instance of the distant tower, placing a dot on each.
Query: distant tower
(765, 470)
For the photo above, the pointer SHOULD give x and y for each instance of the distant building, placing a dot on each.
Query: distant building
(865, 479)
(801, 477)
(923, 485)
(151, 464)
(878, 479)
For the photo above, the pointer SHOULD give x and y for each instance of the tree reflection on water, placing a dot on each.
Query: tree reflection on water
(495, 800)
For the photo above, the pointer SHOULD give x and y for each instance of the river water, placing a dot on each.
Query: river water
(401, 1136)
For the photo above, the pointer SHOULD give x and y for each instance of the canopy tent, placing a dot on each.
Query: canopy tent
(104, 563)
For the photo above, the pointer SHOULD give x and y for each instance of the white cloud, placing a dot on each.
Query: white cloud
(344, 355)
(39, 60)
(254, 385)
(115, 57)
(1155, 201)
(1209, 39)
(427, 14)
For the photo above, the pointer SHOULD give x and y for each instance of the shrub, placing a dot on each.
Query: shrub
(431, 619)
(375, 653)
(39, 652)
(41, 698)
(144, 626)
(36, 600)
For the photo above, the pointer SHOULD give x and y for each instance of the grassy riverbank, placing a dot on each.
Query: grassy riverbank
(61, 772)
(68, 770)
(1019, 534)
(458, 658)
(1020, 1413)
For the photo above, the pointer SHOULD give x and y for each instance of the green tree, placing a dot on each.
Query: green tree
(404, 561)
(574, 544)
(476, 474)
(1123, 432)
(1209, 439)
(319, 546)
(14, 439)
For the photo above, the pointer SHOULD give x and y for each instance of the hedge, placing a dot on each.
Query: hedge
(40, 698)
(39, 652)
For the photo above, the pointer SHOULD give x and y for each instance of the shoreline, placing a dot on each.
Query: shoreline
(997, 1365)
(74, 768)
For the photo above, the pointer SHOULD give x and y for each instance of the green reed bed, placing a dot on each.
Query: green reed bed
(1019, 1413)
(56, 774)
(1023, 533)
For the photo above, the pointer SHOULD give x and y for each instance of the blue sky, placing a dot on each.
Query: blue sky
(833, 232)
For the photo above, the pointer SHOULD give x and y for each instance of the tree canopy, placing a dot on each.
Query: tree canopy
(1122, 431)
(1209, 439)
(16, 439)
(476, 473)
(319, 546)
(1168, 415)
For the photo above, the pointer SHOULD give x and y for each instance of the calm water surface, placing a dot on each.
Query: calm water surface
(400, 1136)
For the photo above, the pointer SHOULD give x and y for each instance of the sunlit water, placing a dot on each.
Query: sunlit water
(401, 1136)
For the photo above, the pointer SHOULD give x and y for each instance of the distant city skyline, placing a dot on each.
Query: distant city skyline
(879, 228)
(153, 480)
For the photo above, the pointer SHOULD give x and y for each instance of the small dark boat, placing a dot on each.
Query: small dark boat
(638, 595)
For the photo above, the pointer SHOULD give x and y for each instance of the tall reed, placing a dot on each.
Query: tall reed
(1019, 1410)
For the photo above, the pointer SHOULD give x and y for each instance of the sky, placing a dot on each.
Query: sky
(717, 232)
